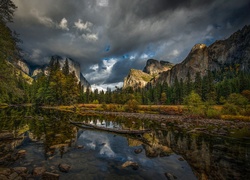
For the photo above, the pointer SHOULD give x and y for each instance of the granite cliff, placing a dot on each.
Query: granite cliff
(136, 79)
(152, 70)
(154, 67)
(232, 51)
(33, 71)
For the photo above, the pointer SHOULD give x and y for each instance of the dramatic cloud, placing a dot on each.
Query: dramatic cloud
(83, 26)
(64, 24)
(122, 34)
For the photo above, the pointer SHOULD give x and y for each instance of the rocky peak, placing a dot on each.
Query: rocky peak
(22, 65)
(136, 79)
(154, 67)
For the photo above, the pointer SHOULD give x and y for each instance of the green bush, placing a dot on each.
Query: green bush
(132, 106)
(238, 100)
(104, 106)
(230, 109)
(95, 101)
(213, 113)
(194, 104)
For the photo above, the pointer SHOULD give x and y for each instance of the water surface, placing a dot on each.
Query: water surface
(49, 139)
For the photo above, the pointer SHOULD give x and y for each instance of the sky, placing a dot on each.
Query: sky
(109, 37)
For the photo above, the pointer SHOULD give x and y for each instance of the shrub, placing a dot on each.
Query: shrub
(95, 101)
(237, 99)
(194, 104)
(132, 106)
(104, 106)
(230, 109)
(112, 107)
(213, 113)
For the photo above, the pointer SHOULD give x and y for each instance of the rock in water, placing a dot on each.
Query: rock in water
(38, 171)
(50, 176)
(132, 164)
(137, 151)
(170, 176)
(64, 167)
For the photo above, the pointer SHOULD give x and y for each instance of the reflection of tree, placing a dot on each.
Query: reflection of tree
(50, 126)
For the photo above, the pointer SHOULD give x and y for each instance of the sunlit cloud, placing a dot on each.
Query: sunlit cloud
(64, 24)
(83, 26)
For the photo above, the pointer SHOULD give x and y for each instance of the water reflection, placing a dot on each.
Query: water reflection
(49, 139)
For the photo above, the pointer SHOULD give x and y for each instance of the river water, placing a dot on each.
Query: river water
(49, 139)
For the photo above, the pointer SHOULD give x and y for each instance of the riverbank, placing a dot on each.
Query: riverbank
(223, 127)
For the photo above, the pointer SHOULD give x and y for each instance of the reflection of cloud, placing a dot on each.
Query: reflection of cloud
(102, 3)
(107, 151)
(94, 141)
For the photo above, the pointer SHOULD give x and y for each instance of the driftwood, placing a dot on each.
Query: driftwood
(119, 131)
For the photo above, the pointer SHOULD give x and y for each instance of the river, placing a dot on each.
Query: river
(48, 139)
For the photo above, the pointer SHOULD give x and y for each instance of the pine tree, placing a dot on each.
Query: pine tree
(65, 68)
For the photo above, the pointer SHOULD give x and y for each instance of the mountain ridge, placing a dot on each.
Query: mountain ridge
(235, 50)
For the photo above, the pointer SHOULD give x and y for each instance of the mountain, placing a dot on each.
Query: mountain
(136, 79)
(233, 51)
(154, 67)
(139, 79)
(33, 71)
(223, 53)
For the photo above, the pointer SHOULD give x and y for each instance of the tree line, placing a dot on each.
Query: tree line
(59, 86)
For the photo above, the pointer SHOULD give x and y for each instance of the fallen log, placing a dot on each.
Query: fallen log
(119, 131)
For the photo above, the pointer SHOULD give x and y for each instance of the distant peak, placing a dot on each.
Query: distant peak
(198, 46)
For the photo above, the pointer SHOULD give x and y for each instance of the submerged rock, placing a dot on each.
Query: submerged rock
(51, 176)
(170, 176)
(64, 167)
(38, 171)
(20, 170)
(132, 164)
(137, 151)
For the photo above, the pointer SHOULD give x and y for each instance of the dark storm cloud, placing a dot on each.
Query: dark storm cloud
(104, 35)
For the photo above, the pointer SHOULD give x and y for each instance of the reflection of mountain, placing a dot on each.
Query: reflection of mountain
(210, 157)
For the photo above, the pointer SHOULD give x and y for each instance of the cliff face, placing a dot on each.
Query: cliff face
(22, 65)
(136, 79)
(139, 79)
(73, 66)
(86, 85)
(234, 50)
(154, 67)
(196, 61)
(228, 52)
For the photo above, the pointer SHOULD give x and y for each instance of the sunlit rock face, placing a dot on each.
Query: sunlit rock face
(154, 67)
(22, 65)
(136, 79)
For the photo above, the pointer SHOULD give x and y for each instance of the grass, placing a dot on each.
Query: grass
(3, 105)
(214, 113)
(235, 117)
